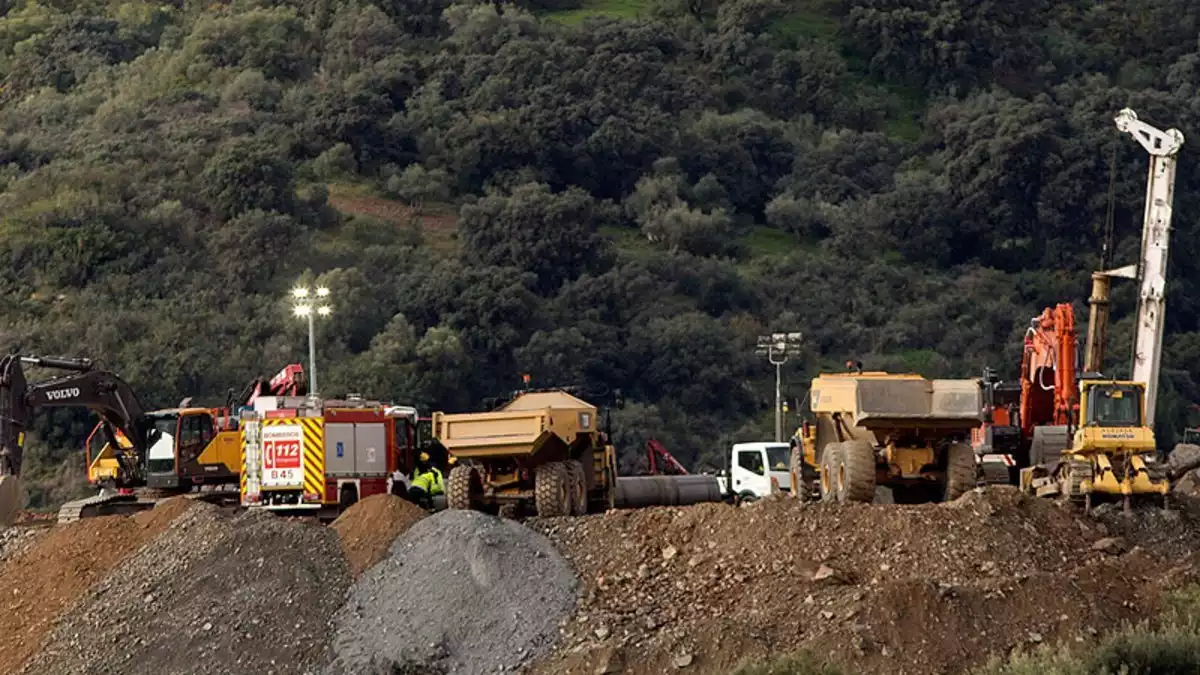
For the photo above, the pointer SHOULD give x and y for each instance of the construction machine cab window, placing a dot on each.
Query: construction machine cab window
(1114, 407)
(195, 432)
(751, 461)
(160, 458)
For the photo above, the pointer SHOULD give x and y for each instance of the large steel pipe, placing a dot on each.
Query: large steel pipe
(639, 491)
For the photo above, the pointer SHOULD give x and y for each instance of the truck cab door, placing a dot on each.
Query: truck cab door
(748, 474)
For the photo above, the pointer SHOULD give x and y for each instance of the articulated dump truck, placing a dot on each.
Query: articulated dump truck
(901, 432)
(542, 450)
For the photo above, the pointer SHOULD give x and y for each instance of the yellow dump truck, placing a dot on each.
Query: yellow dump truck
(899, 431)
(543, 449)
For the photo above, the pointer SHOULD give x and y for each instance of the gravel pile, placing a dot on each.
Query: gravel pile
(930, 588)
(368, 528)
(461, 592)
(49, 576)
(16, 540)
(215, 594)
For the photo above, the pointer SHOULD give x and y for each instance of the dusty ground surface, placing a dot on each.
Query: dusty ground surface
(51, 574)
(932, 588)
(368, 528)
(215, 595)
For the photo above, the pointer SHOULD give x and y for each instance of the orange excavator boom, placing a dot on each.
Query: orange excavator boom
(1049, 389)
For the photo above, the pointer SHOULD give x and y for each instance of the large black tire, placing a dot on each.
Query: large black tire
(858, 472)
(462, 488)
(578, 487)
(960, 471)
(551, 491)
(610, 481)
(347, 497)
(831, 463)
(796, 472)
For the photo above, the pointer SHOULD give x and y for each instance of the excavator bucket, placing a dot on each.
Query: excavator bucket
(11, 498)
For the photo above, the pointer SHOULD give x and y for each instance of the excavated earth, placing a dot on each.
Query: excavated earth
(932, 588)
(368, 528)
(42, 578)
(214, 594)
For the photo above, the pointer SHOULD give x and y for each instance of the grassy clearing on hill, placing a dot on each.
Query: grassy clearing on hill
(626, 9)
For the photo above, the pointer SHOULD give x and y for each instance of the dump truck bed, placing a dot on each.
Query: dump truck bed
(880, 400)
(521, 428)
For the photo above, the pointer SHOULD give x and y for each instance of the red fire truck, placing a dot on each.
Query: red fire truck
(321, 455)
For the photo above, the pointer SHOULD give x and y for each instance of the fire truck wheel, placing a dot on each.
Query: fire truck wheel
(579, 496)
(551, 493)
(462, 487)
(347, 497)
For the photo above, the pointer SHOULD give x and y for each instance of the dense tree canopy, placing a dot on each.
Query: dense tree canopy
(622, 202)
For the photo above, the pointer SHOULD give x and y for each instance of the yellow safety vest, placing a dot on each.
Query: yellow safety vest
(430, 481)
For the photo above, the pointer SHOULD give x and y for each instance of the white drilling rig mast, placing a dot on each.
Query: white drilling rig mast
(1156, 230)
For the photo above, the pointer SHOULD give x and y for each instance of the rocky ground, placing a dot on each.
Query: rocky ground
(932, 588)
(213, 595)
(881, 589)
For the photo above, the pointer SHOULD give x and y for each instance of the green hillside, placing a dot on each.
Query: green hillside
(614, 193)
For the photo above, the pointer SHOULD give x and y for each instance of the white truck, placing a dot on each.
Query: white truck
(755, 470)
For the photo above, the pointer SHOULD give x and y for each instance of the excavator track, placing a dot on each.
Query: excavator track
(1077, 471)
(102, 505)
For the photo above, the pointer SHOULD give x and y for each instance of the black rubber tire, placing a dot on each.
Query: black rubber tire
(578, 487)
(347, 497)
(831, 460)
(961, 471)
(551, 490)
(858, 477)
(462, 488)
(796, 472)
(610, 475)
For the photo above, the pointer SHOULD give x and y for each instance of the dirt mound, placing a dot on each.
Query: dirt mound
(368, 528)
(214, 594)
(461, 592)
(891, 589)
(48, 577)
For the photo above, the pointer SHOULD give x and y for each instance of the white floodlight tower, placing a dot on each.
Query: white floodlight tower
(311, 304)
(777, 347)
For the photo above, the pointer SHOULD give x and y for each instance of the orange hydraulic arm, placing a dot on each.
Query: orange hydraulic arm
(1049, 390)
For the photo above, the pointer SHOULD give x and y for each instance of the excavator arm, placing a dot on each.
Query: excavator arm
(85, 387)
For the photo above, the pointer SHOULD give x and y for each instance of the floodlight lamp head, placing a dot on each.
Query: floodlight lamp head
(323, 311)
(300, 292)
(322, 292)
(302, 310)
